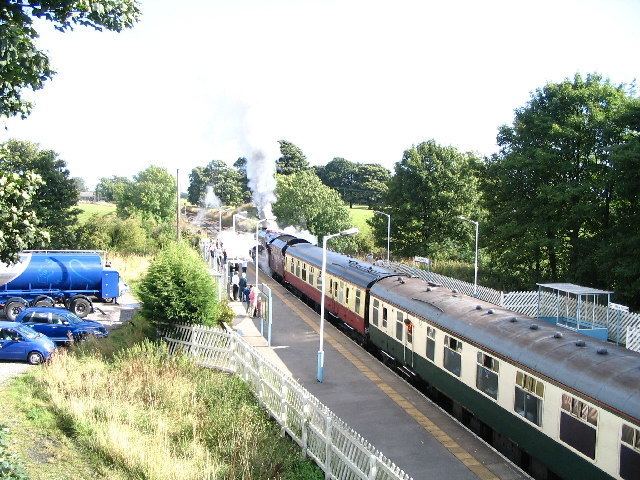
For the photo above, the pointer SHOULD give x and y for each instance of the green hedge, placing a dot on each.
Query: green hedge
(179, 289)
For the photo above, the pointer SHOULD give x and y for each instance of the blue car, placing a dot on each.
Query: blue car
(19, 343)
(59, 324)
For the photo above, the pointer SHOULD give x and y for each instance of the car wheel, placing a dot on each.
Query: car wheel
(35, 358)
(80, 306)
(13, 308)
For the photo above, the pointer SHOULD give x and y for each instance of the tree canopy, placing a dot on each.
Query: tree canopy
(292, 159)
(54, 203)
(110, 188)
(431, 187)
(22, 64)
(550, 191)
(228, 183)
(152, 194)
(305, 202)
(358, 183)
(20, 227)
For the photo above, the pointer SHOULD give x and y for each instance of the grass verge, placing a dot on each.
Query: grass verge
(89, 209)
(130, 410)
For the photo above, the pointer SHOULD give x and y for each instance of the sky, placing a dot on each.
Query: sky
(363, 80)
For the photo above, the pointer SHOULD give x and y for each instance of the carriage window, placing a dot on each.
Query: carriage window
(298, 269)
(291, 266)
(487, 374)
(431, 343)
(529, 397)
(399, 325)
(630, 453)
(346, 301)
(311, 277)
(304, 272)
(335, 289)
(384, 317)
(375, 312)
(409, 330)
(319, 281)
(578, 423)
(452, 355)
(357, 301)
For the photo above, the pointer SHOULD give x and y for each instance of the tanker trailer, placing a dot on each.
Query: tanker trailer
(43, 278)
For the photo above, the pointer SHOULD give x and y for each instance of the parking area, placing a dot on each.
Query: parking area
(111, 315)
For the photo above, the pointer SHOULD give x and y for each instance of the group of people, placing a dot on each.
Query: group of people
(247, 293)
(218, 253)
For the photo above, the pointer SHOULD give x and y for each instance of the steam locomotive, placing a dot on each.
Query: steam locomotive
(559, 404)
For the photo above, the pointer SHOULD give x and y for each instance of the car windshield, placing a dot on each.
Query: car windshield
(72, 319)
(26, 332)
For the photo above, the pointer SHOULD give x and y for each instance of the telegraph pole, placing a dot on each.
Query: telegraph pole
(177, 204)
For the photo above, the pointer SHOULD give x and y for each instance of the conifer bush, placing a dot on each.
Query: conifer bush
(179, 289)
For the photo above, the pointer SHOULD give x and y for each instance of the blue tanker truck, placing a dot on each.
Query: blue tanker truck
(44, 278)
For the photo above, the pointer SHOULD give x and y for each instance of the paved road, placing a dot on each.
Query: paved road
(407, 427)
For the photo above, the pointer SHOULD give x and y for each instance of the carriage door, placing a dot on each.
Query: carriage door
(408, 341)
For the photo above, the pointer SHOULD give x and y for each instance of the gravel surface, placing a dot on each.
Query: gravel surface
(109, 314)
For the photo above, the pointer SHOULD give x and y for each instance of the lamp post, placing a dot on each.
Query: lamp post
(239, 214)
(256, 253)
(325, 239)
(475, 278)
(388, 231)
(220, 210)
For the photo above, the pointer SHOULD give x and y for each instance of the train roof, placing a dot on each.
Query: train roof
(283, 240)
(606, 373)
(359, 273)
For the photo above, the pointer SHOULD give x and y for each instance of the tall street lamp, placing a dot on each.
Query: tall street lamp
(475, 278)
(344, 233)
(239, 214)
(388, 231)
(257, 244)
(220, 210)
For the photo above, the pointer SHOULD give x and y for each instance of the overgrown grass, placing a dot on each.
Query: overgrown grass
(89, 209)
(359, 217)
(130, 410)
(131, 267)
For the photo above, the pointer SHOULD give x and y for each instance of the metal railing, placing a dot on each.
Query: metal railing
(335, 447)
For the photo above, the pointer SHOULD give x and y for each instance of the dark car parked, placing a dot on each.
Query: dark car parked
(60, 325)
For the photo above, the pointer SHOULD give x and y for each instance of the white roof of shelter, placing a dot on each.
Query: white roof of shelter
(574, 289)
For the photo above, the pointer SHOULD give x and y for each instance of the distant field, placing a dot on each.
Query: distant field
(359, 217)
(89, 209)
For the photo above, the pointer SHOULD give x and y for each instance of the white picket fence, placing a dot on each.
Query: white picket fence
(337, 449)
(633, 338)
(526, 303)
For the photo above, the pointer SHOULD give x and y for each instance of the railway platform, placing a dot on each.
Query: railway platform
(400, 421)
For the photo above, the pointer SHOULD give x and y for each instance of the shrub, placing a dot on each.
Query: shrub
(178, 288)
(10, 467)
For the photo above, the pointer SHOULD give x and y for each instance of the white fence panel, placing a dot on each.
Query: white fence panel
(330, 442)
(633, 338)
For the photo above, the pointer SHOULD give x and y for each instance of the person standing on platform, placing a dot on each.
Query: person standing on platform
(252, 300)
(245, 297)
(244, 266)
(235, 283)
(243, 283)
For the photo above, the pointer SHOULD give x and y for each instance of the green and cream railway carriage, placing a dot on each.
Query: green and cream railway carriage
(570, 401)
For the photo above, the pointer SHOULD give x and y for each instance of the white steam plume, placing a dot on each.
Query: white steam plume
(261, 175)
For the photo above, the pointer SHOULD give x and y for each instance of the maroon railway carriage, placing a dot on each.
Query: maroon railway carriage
(347, 284)
(276, 243)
